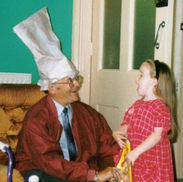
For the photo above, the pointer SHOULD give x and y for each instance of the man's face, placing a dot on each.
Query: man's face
(65, 91)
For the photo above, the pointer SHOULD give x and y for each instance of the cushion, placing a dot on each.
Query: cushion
(16, 177)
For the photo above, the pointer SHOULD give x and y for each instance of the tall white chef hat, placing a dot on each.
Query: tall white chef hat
(37, 34)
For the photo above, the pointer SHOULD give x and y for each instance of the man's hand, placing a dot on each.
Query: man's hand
(109, 173)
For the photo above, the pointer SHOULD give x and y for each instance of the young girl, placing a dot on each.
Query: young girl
(149, 125)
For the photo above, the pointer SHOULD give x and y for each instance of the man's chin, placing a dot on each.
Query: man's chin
(75, 98)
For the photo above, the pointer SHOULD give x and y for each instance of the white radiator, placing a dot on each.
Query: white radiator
(15, 78)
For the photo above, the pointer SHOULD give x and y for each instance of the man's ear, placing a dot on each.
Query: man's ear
(51, 89)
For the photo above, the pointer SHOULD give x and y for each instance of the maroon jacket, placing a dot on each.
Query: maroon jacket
(39, 148)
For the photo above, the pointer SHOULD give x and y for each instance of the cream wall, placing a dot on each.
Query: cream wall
(178, 65)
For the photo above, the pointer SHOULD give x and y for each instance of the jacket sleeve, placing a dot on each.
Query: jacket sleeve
(107, 145)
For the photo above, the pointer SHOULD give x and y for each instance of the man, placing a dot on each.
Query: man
(44, 148)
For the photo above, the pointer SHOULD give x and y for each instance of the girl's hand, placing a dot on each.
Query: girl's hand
(120, 138)
(152, 140)
(131, 157)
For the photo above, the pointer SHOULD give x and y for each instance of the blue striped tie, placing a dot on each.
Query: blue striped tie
(69, 136)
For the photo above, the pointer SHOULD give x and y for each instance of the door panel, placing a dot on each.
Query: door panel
(113, 90)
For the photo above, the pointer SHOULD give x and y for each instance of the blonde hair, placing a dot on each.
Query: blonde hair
(165, 89)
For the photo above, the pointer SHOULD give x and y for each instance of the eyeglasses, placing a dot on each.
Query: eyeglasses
(72, 81)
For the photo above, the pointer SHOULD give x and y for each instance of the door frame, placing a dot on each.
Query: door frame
(82, 43)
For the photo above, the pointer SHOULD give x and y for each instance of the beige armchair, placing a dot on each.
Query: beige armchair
(15, 100)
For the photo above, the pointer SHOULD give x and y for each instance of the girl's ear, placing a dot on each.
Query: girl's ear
(155, 81)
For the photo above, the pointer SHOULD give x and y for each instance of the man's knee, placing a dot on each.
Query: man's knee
(43, 177)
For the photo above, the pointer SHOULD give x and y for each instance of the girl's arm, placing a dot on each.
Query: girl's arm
(147, 144)
(120, 135)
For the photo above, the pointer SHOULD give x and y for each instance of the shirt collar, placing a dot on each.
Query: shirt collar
(60, 108)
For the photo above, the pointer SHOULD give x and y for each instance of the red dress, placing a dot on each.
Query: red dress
(155, 164)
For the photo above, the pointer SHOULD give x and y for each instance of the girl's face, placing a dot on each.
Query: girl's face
(145, 82)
